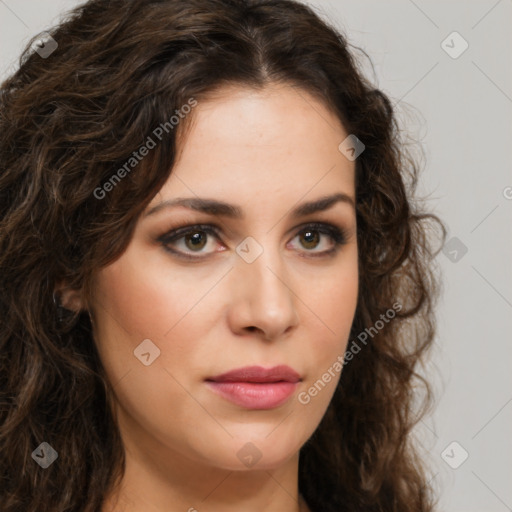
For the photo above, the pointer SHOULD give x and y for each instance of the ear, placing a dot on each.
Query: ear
(69, 298)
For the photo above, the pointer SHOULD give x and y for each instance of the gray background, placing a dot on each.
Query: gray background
(460, 110)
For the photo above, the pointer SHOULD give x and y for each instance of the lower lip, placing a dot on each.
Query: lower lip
(252, 395)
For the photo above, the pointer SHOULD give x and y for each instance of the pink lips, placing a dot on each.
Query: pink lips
(255, 387)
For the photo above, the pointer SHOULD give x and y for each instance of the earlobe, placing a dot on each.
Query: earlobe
(69, 298)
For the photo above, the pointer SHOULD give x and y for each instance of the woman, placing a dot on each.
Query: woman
(216, 285)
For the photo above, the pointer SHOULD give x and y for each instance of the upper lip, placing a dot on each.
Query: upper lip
(258, 374)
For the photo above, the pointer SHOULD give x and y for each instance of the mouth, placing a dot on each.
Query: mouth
(258, 374)
(255, 387)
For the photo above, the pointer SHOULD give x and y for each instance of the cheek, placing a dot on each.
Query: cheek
(143, 302)
(333, 309)
(133, 306)
(136, 303)
(335, 302)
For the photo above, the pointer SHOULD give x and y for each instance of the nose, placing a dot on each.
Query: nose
(262, 298)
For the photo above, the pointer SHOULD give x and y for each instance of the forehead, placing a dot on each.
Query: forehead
(242, 144)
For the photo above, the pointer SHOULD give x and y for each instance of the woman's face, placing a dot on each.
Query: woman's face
(263, 288)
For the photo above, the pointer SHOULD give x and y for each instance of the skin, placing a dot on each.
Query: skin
(266, 151)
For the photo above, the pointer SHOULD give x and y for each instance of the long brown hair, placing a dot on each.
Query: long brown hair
(71, 119)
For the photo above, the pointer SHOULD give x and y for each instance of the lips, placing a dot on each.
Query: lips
(255, 387)
(258, 374)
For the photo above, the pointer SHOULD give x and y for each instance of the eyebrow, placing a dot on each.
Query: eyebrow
(219, 208)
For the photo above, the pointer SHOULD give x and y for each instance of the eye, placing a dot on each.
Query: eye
(311, 235)
(192, 238)
(183, 242)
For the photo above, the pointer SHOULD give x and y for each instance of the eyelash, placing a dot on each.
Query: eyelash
(338, 236)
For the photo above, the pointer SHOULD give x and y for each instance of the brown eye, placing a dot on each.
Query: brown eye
(185, 241)
(197, 240)
(311, 238)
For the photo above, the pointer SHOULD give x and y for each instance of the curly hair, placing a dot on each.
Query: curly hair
(120, 69)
